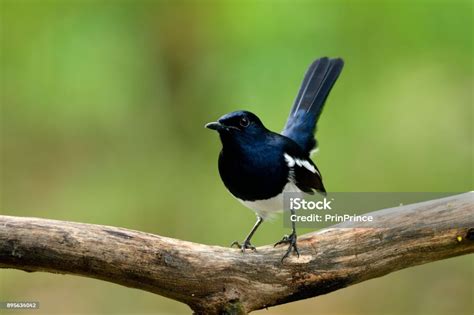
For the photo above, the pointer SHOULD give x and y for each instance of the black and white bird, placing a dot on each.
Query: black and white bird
(258, 165)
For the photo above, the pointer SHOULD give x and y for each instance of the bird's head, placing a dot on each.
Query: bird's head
(239, 126)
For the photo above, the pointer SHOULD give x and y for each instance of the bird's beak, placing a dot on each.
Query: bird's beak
(214, 125)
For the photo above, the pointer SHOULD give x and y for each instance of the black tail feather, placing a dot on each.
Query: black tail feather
(317, 83)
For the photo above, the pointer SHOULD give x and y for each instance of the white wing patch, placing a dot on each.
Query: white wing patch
(291, 161)
(306, 165)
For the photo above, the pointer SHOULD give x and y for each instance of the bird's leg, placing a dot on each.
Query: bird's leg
(289, 239)
(246, 244)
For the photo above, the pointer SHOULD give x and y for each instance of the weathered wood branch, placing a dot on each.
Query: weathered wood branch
(212, 279)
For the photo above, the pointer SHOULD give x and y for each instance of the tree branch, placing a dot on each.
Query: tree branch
(212, 279)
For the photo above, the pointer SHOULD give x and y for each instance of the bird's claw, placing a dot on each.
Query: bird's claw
(245, 245)
(282, 241)
(291, 240)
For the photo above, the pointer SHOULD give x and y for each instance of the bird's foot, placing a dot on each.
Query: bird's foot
(245, 245)
(291, 240)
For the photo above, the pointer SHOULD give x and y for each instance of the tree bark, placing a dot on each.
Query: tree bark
(218, 280)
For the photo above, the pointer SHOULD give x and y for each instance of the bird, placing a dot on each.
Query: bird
(259, 166)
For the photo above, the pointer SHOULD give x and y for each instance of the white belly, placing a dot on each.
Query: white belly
(266, 208)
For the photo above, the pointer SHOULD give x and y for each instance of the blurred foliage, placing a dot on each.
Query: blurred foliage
(103, 106)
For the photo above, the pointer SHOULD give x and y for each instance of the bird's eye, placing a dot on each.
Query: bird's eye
(244, 121)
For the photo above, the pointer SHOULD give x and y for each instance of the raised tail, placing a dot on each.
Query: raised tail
(317, 83)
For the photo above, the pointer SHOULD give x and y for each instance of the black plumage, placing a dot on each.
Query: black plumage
(317, 83)
(257, 165)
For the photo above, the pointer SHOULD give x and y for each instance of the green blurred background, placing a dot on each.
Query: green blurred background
(103, 106)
